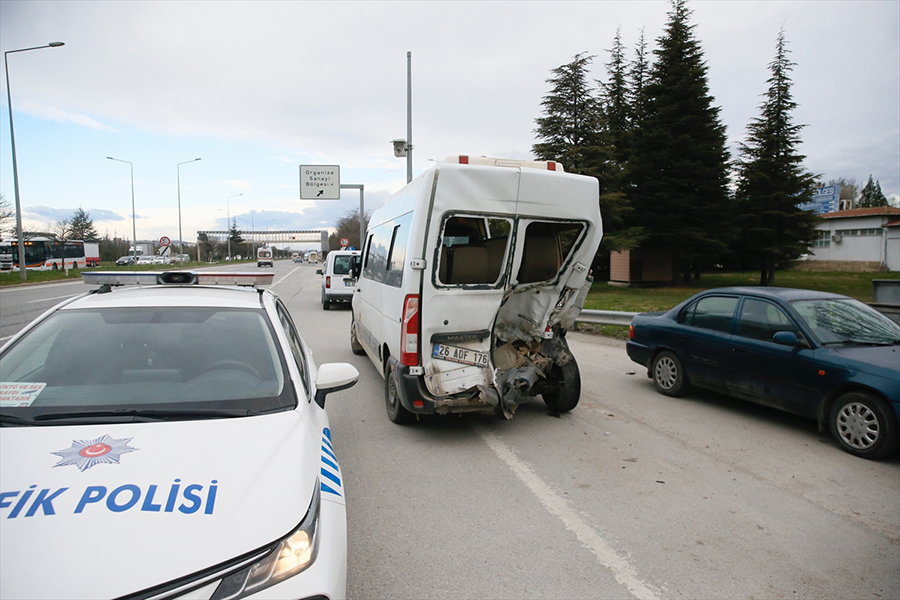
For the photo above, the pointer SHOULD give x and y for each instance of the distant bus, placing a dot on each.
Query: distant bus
(43, 253)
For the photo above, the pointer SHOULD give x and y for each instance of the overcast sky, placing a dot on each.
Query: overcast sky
(257, 89)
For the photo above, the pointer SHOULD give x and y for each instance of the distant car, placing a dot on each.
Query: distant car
(298, 259)
(125, 260)
(337, 283)
(819, 355)
(146, 260)
(178, 428)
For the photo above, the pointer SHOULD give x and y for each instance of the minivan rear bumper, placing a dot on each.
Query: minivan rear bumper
(415, 397)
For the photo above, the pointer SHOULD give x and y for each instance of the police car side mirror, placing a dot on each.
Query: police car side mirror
(334, 377)
(318, 271)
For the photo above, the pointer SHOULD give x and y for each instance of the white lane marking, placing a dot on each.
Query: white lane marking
(288, 275)
(606, 556)
(50, 299)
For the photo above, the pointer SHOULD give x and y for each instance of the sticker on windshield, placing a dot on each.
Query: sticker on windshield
(17, 395)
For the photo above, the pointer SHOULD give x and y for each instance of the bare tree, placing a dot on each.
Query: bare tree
(7, 218)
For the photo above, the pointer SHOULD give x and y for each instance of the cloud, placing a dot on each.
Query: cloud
(54, 113)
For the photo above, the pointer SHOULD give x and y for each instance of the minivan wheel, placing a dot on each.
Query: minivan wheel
(395, 410)
(668, 374)
(354, 343)
(863, 425)
(566, 396)
(326, 304)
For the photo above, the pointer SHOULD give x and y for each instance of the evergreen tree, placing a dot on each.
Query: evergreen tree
(679, 160)
(872, 196)
(571, 129)
(81, 227)
(771, 178)
(617, 112)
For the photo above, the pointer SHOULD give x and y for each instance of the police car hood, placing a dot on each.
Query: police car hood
(106, 510)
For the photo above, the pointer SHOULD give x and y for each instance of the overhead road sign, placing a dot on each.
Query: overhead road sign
(320, 182)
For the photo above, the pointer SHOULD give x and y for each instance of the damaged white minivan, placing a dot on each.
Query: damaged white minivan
(470, 277)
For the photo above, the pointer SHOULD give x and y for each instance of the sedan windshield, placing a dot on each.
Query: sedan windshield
(847, 321)
(144, 363)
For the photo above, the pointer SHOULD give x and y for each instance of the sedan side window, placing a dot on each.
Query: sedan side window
(762, 320)
(712, 312)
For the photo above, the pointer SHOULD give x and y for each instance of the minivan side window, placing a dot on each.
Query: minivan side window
(396, 257)
(547, 246)
(472, 250)
(712, 312)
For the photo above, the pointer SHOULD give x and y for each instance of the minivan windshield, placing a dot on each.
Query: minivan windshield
(170, 361)
(846, 321)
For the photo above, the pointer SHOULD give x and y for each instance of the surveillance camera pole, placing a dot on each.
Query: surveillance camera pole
(409, 146)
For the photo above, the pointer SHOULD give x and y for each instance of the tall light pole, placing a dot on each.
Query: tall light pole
(180, 238)
(133, 226)
(228, 227)
(12, 139)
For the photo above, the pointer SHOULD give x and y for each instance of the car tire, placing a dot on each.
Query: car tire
(864, 425)
(354, 342)
(326, 303)
(395, 409)
(668, 374)
(566, 396)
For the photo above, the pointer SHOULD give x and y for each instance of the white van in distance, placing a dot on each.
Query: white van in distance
(264, 257)
(469, 278)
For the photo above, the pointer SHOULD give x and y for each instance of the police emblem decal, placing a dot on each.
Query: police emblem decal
(84, 454)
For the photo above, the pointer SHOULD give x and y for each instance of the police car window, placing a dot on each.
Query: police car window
(712, 312)
(135, 358)
(296, 345)
(473, 249)
(376, 257)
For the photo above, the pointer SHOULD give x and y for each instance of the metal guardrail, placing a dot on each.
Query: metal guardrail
(606, 317)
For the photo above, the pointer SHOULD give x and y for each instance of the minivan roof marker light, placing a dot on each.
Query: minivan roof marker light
(118, 278)
(544, 165)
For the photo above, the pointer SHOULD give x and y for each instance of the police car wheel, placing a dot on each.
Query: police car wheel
(395, 410)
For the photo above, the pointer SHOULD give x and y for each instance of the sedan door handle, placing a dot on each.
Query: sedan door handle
(741, 350)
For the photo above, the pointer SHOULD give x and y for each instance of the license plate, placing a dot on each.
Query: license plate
(460, 355)
(349, 282)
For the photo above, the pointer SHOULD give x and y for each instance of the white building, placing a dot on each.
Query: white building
(864, 239)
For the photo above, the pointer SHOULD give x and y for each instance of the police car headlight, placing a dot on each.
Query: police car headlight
(290, 556)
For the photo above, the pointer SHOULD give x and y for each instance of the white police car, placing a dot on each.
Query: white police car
(169, 441)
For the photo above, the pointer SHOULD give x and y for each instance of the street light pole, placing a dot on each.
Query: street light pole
(12, 139)
(180, 238)
(133, 226)
(228, 227)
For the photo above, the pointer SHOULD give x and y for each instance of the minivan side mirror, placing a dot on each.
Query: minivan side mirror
(355, 265)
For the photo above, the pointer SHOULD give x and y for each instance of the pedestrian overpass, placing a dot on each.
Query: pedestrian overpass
(280, 239)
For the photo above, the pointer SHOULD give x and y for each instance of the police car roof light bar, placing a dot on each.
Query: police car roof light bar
(117, 278)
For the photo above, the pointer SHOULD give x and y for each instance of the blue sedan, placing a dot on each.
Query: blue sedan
(819, 355)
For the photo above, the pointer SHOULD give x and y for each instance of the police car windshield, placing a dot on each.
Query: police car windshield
(118, 361)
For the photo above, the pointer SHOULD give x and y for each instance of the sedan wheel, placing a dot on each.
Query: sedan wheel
(863, 426)
(668, 376)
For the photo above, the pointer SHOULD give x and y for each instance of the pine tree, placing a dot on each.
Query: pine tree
(617, 112)
(573, 132)
(81, 227)
(573, 121)
(679, 161)
(771, 178)
(872, 196)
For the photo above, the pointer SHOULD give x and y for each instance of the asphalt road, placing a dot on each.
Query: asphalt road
(632, 494)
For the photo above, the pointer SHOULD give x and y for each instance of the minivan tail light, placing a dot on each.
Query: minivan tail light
(328, 282)
(409, 332)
